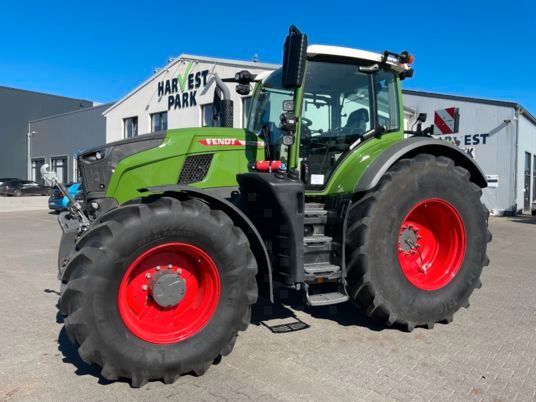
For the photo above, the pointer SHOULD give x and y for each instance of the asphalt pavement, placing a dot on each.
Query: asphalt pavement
(487, 353)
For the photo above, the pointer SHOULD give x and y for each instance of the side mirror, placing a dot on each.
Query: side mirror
(422, 117)
(294, 58)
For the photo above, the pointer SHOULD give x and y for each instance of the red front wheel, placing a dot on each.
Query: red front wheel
(169, 293)
(158, 289)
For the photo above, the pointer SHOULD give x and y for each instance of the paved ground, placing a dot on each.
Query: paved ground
(487, 353)
(12, 204)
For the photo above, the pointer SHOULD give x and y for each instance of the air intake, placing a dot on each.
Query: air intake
(195, 168)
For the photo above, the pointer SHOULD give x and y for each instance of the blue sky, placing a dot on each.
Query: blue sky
(101, 50)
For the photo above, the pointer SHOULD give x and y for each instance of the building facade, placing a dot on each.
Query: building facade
(17, 108)
(179, 95)
(500, 136)
(59, 138)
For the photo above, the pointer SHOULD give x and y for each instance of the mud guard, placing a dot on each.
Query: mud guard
(411, 147)
(264, 276)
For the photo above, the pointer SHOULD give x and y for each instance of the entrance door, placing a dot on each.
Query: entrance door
(526, 188)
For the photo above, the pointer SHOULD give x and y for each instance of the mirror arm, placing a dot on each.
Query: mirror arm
(221, 85)
(74, 206)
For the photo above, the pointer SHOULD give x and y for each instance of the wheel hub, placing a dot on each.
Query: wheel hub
(167, 288)
(408, 240)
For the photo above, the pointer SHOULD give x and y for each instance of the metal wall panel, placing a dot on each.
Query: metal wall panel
(526, 144)
(17, 108)
(487, 132)
(65, 134)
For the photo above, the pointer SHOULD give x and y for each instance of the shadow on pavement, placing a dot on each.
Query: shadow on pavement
(71, 356)
(344, 314)
(262, 313)
(531, 220)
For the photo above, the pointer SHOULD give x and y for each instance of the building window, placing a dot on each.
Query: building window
(59, 166)
(246, 102)
(130, 127)
(526, 188)
(36, 169)
(159, 121)
(206, 115)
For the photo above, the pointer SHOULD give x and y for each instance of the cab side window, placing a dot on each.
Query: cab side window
(387, 100)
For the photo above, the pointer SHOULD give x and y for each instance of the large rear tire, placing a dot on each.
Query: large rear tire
(416, 243)
(158, 289)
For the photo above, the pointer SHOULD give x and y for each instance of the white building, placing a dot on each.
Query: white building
(179, 95)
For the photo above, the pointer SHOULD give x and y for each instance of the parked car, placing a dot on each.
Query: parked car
(59, 201)
(23, 187)
(6, 179)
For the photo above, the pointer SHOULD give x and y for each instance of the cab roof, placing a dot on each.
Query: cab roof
(346, 52)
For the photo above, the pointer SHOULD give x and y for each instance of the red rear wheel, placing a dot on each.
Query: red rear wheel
(431, 244)
(169, 293)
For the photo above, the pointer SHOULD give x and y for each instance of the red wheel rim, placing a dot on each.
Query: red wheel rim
(199, 279)
(431, 244)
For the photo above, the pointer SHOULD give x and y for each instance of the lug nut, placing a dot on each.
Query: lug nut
(147, 275)
(179, 271)
(144, 288)
(158, 267)
(170, 266)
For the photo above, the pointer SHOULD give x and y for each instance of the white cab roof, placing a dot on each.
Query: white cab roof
(316, 50)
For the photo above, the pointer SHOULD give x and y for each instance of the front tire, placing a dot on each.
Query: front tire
(416, 243)
(125, 324)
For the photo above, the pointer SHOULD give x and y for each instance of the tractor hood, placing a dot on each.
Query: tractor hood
(201, 157)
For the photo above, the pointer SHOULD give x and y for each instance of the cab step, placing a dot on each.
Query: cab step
(321, 268)
(316, 239)
(326, 299)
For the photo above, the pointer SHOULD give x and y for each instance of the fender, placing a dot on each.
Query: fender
(264, 275)
(411, 147)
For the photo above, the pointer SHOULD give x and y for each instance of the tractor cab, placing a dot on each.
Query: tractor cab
(337, 105)
(335, 99)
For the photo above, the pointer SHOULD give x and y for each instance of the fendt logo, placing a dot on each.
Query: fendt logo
(232, 142)
(182, 90)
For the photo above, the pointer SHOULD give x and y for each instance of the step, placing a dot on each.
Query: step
(325, 299)
(321, 268)
(314, 206)
(315, 219)
(315, 209)
(316, 240)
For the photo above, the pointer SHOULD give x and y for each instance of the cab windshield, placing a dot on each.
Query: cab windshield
(340, 104)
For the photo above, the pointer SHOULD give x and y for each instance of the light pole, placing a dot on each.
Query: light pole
(29, 135)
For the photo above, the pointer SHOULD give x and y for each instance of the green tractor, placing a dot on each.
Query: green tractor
(324, 192)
